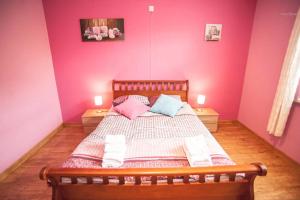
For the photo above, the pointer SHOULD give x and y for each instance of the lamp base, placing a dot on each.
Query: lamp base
(200, 109)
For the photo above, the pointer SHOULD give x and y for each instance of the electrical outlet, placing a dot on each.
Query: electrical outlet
(151, 8)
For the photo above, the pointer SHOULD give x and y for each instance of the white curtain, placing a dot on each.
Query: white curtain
(288, 82)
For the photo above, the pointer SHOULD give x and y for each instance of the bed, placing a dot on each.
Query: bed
(164, 176)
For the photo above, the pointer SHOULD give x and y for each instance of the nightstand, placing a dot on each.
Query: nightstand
(209, 117)
(91, 118)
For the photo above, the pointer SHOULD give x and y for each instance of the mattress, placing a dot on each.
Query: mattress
(153, 141)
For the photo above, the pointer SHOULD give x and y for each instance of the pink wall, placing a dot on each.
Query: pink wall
(29, 102)
(269, 40)
(178, 49)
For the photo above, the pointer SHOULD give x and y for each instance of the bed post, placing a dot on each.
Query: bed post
(51, 182)
(261, 172)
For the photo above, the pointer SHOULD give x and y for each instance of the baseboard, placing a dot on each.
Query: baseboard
(72, 124)
(226, 121)
(273, 148)
(29, 154)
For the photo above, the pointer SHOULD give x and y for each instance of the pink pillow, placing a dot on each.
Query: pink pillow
(131, 108)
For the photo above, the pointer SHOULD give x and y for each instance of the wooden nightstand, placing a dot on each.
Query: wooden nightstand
(209, 117)
(91, 118)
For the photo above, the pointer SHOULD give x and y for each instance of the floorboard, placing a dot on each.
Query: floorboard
(282, 181)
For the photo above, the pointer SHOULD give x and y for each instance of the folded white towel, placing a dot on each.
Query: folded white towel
(115, 139)
(197, 151)
(198, 160)
(113, 160)
(114, 151)
(114, 148)
(195, 145)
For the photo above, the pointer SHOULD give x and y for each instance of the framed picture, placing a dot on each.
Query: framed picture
(98, 30)
(213, 32)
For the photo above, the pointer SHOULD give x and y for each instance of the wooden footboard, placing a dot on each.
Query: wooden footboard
(215, 189)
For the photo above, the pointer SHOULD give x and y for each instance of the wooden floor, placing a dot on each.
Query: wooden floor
(282, 181)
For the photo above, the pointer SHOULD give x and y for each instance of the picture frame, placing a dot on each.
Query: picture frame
(102, 29)
(213, 32)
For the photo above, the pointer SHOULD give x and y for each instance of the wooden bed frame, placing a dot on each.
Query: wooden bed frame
(216, 190)
(151, 88)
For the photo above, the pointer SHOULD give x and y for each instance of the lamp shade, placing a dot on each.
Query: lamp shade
(98, 100)
(201, 99)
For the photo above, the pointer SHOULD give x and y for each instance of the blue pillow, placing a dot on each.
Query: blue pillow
(166, 105)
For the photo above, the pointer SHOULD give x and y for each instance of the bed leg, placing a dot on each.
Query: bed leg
(56, 195)
(52, 182)
(262, 172)
(251, 189)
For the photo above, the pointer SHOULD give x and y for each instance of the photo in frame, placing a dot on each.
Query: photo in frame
(213, 32)
(102, 29)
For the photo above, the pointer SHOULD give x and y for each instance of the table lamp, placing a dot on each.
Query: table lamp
(98, 102)
(200, 101)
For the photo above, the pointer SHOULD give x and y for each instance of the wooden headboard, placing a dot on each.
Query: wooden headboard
(151, 88)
